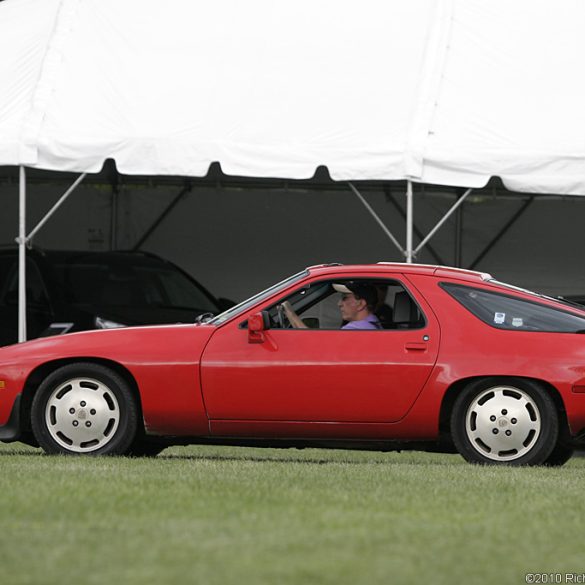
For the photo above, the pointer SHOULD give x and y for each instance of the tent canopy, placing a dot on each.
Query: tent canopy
(447, 92)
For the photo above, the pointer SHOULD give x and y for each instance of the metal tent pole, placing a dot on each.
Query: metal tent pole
(161, 218)
(409, 222)
(377, 218)
(443, 220)
(55, 207)
(23, 240)
(22, 256)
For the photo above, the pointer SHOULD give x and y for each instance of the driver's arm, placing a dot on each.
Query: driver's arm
(293, 318)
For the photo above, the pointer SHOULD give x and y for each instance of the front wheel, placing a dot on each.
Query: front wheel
(505, 421)
(84, 408)
(143, 448)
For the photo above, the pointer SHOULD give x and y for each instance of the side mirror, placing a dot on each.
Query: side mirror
(257, 324)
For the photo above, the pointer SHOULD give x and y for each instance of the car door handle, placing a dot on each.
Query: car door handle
(415, 346)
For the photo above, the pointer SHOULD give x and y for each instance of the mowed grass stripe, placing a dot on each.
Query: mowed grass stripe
(223, 515)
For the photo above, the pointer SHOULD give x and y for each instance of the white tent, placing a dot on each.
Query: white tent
(446, 92)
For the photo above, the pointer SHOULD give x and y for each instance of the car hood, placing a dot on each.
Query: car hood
(125, 345)
(148, 316)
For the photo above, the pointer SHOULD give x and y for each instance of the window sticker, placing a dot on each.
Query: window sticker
(508, 311)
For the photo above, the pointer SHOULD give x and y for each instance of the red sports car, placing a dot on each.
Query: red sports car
(385, 356)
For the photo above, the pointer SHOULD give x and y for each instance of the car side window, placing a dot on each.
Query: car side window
(319, 306)
(503, 311)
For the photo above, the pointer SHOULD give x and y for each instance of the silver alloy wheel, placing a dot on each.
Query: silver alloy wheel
(82, 415)
(503, 423)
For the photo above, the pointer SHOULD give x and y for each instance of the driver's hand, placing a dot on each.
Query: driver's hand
(293, 318)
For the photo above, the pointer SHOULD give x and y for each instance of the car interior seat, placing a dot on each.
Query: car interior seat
(406, 314)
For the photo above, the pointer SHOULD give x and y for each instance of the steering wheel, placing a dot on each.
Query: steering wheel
(282, 318)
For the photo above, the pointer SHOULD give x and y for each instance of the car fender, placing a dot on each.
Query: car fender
(163, 361)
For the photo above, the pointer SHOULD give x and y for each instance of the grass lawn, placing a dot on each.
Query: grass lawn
(222, 515)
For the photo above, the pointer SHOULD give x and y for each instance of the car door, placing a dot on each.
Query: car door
(321, 376)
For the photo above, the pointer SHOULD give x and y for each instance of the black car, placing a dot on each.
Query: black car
(76, 291)
(576, 299)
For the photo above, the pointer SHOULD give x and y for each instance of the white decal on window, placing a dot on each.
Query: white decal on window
(499, 318)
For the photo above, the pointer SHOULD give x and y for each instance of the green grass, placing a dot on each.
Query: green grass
(221, 515)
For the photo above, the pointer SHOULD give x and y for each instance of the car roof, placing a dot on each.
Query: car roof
(401, 267)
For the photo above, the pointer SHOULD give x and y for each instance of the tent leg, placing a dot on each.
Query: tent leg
(23, 241)
(415, 230)
(22, 257)
(409, 222)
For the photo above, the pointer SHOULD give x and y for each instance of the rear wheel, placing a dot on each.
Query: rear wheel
(505, 421)
(559, 456)
(84, 408)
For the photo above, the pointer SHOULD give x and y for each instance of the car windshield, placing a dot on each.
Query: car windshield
(257, 298)
(129, 281)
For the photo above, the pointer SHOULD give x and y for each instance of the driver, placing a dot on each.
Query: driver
(356, 305)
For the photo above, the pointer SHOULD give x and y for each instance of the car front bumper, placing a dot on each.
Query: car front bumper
(11, 431)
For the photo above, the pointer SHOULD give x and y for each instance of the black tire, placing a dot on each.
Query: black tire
(144, 448)
(84, 408)
(559, 456)
(505, 421)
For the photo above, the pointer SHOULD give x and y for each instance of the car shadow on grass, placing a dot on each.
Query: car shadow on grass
(243, 454)
(393, 457)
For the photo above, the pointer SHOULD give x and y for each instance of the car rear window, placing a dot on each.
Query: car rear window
(504, 311)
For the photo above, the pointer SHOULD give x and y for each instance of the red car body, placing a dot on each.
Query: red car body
(206, 382)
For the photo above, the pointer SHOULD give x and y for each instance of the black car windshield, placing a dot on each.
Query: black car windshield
(258, 298)
(129, 281)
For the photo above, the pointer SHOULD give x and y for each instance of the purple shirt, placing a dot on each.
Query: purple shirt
(370, 322)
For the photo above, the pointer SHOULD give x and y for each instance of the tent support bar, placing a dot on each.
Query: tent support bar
(502, 232)
(409, 222)
(416, 231)
(377, 218)
(458, 251)
(43, 221)
(443, 220)
(22, 255)
(162, 216)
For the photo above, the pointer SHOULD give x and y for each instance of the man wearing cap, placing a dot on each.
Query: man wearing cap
(356, 305)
